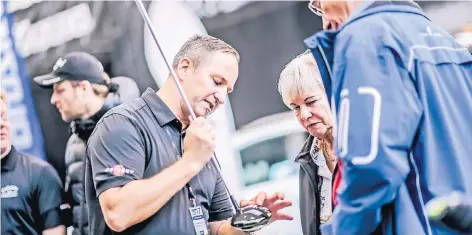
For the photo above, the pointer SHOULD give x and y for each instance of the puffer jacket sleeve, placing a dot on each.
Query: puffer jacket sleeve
(74, 158)
(74, 185)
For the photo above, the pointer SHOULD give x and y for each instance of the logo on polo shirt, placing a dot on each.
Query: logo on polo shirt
(10, 191)
(51, 81)
(119, 170)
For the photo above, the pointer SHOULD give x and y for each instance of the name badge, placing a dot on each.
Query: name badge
(198, 220)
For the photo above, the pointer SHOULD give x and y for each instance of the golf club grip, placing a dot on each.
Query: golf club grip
(145, 16)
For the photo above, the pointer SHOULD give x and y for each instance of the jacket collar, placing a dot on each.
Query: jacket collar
(321, 44)
(84, 128)
(305, 152)
(371, 7)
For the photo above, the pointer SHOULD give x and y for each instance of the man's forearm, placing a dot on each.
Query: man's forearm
(139, 199)
(58, 230)
(224, 228)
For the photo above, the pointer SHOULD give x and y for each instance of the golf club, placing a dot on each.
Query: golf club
(247, 219)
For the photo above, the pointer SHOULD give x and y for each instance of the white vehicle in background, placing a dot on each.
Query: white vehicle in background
(267, 148)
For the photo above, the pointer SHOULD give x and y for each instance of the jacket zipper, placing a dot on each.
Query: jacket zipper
(325, 61)
(328, 90)
(327, 76)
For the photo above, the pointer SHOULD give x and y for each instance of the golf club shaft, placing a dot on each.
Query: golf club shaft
(214, 160)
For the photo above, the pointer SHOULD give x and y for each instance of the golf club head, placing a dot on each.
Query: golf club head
(251, 218)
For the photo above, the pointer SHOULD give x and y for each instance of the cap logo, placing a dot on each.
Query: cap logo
(59, 63)
(51, 81)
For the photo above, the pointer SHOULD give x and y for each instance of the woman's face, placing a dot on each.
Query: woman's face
(312, 111)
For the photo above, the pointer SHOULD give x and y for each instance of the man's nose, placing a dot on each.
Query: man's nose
(220, 97)
(53, 99)
(326, 24)
(329, 24)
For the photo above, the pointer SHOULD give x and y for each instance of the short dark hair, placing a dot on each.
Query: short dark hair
(197, 46)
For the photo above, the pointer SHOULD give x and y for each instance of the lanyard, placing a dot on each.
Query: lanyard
(196, 213)
(191, 194)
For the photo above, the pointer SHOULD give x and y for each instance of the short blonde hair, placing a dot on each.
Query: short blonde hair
(99, 89)
(102, 90)
(197, 47)
(299, 76)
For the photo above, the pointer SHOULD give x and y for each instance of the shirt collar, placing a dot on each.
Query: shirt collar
(305, 152)
(159, 109)
(314, 149)
(9, 161)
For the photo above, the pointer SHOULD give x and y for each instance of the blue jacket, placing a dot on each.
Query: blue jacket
(401, 92)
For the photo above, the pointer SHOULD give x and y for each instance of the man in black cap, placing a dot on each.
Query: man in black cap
(82, 92)
(79, 85)
(31, 189)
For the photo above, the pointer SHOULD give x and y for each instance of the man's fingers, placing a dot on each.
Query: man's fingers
(273, 198)
(280, 205)
(280, 195)
(244, 203)
(283, 216)
(260, 198)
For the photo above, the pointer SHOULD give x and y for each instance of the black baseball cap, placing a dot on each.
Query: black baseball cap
(75, 66)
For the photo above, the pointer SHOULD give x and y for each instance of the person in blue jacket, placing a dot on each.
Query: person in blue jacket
(401, 94)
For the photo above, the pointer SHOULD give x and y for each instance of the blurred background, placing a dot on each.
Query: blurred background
(259, 137)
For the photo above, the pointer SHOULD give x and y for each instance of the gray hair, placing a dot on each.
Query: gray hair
(198, 46)
(299, 76)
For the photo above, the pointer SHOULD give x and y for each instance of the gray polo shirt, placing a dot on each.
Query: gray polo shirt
(137, 140)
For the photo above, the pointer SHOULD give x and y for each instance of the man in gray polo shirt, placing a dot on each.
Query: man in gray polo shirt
(142, 177)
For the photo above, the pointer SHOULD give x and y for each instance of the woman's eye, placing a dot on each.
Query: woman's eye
(312, 102)
(296, 109)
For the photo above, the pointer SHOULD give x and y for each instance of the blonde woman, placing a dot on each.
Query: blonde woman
(302, 91)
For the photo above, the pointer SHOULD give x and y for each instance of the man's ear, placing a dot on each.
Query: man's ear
(85, 85)
(184, 68)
